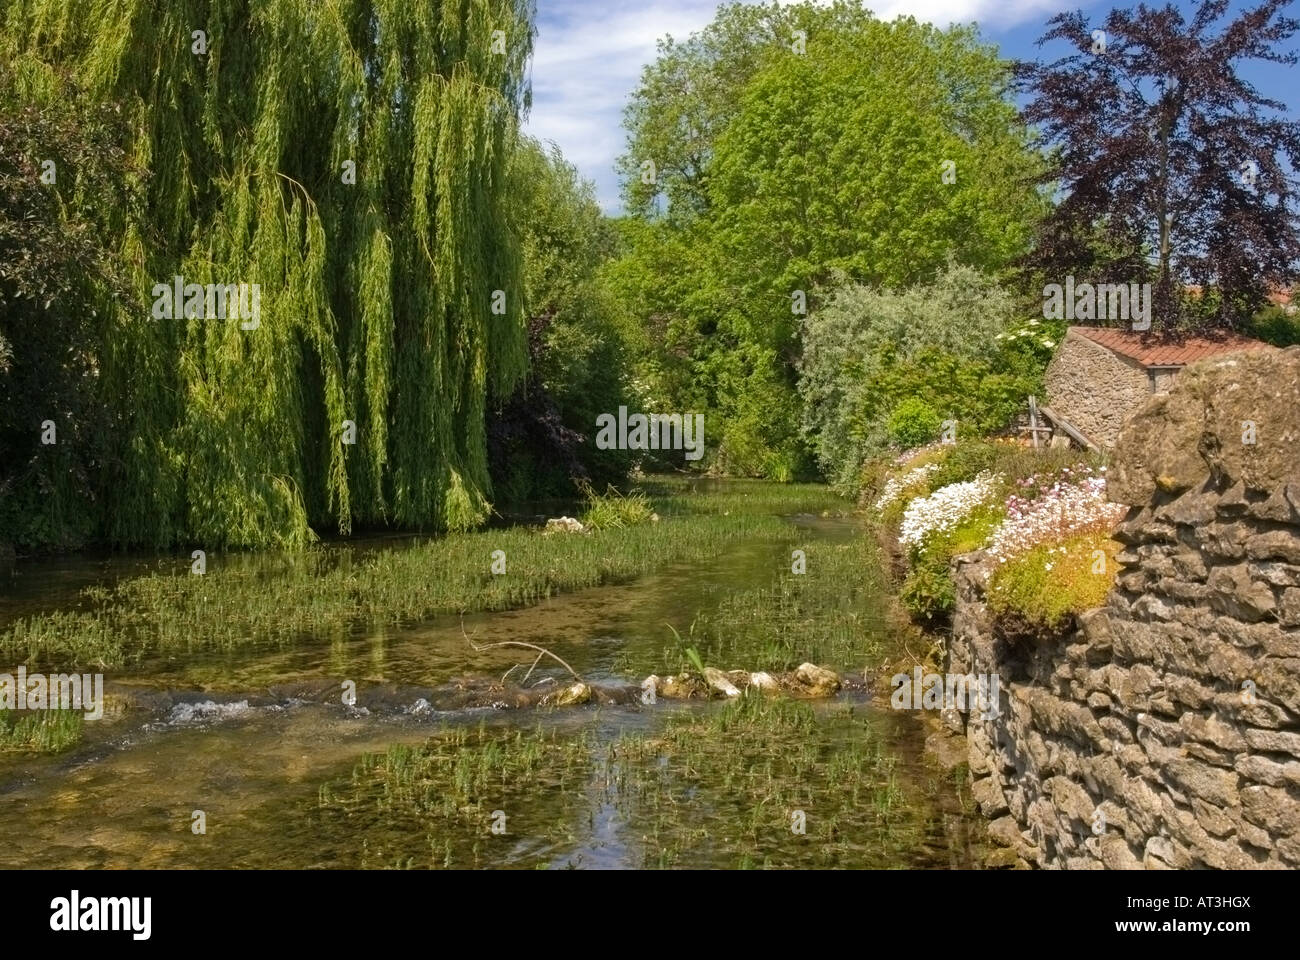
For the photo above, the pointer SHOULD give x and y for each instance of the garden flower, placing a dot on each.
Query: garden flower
(945, 508)
(1072, 505)
(895, 486)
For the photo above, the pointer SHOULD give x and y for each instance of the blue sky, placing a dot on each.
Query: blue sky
(588, 57)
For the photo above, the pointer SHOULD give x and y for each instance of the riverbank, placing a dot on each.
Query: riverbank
(1041, 518)
(1141, 615)
(1158, 729)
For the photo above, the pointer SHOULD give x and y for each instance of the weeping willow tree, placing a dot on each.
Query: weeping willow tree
(349, 158)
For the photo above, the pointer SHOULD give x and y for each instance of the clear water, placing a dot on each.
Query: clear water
(251, 737)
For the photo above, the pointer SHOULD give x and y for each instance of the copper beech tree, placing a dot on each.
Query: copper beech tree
(1171, 167)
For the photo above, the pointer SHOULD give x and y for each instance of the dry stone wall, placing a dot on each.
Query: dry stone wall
(1165, 730)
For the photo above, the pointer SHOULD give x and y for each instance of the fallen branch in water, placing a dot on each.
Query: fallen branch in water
(542, 651)
(530, 670)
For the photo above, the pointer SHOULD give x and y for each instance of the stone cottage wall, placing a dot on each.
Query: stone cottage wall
(1162, 380)
(1094, 388)
(1165, 730)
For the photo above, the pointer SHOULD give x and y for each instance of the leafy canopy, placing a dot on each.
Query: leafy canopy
(376, 295)
(778, 170)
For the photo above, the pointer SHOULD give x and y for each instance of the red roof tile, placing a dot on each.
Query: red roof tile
(1161, 352)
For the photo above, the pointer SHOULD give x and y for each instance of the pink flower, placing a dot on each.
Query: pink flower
(1065, 510)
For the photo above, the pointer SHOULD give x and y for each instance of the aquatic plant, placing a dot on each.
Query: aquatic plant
(39, 731)
(451, 790)
(711, 787)
(832, 615)
(612, 510)
(278, 599)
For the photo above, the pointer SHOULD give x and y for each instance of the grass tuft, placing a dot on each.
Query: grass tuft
(39, 731)
(612, 510)
(282, 598)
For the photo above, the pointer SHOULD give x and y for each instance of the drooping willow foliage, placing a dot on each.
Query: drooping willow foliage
(376, 297)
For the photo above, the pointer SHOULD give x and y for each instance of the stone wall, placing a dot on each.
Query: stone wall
(1165, 730)
(1162, 378)
(1095, 388)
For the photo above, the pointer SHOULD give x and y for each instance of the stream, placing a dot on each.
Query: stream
(262, 743)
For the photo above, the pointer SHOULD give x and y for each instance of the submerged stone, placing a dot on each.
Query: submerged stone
(682, 687)
(573, 694)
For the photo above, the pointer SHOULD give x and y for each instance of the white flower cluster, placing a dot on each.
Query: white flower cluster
(1031, 330)
(895, 486)
(945, 508)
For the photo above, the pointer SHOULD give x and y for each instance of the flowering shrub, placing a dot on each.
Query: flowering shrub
(1046, 532)
(928, 590)
(1033, 332)
(945, 508)
(1054, 508)
(1037, 484)
(896, 486)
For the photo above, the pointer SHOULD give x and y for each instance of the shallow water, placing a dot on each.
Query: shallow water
(261, 742)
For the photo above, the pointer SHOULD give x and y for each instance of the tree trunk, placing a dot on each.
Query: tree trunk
(1171, 106)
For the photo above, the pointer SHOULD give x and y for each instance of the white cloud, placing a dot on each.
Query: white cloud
(990, 13)
(587, 59)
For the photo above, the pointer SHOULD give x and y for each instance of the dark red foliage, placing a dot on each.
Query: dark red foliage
(1160, 126)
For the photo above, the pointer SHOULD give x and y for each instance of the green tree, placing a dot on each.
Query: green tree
(349, 158)
(689, 94)
(541, 437)
(60, 169)
(882, 366)
(879, 151)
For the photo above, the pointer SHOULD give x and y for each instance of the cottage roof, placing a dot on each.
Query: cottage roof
(1161, 352)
